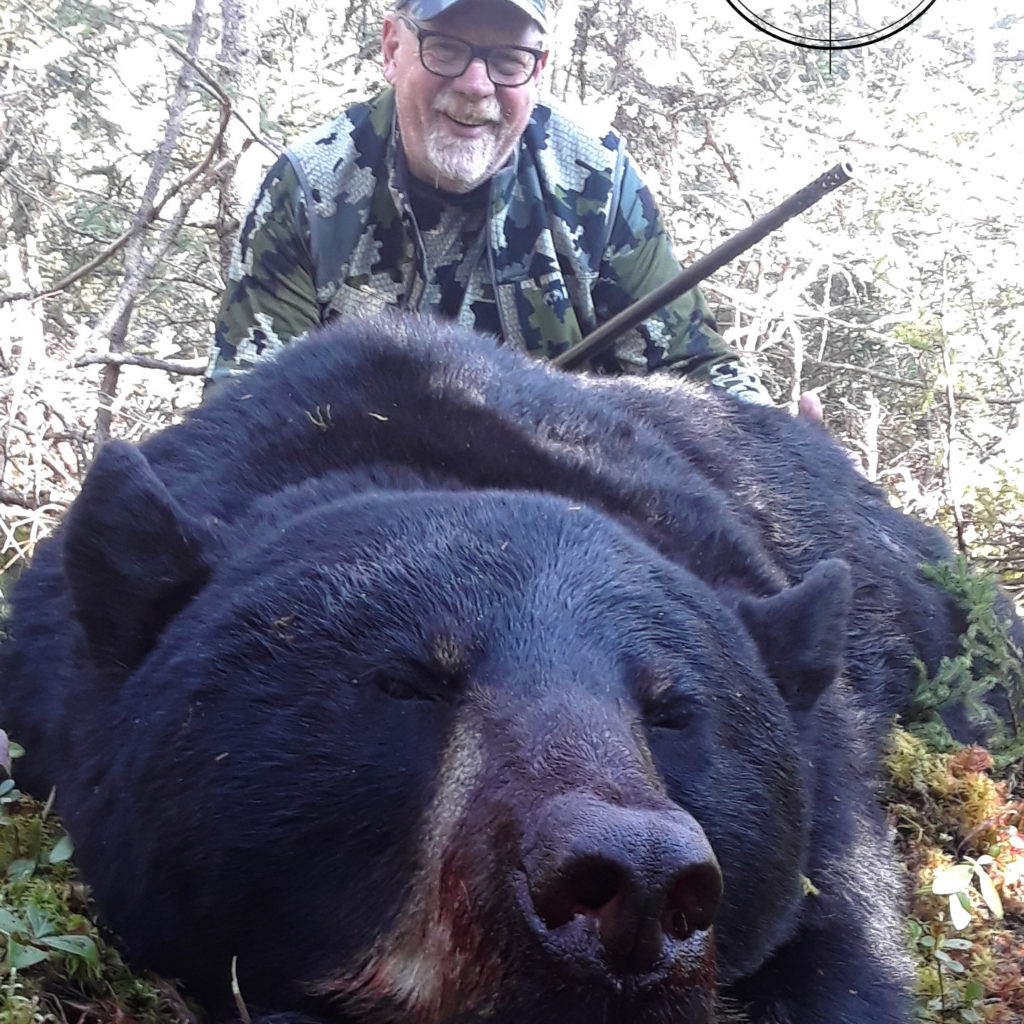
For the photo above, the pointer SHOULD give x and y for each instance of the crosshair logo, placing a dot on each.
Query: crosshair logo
(871, 21)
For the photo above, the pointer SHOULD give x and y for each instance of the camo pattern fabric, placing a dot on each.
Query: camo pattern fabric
(561, 239)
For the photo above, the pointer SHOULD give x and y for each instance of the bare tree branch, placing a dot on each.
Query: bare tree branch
(9, 497)
(148, 212)
(953, 436)
(921, 385)
(711, 143)
(196, 183)
(148, 362)
(113, 323)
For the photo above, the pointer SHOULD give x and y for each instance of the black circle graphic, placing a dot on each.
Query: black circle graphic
(838, 37)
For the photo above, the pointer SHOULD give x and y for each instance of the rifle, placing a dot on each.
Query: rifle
(601, 339)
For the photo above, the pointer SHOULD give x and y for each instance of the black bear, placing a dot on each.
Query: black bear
(428, 685)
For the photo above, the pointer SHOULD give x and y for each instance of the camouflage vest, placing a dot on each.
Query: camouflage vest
(571, 237)
(544, 243)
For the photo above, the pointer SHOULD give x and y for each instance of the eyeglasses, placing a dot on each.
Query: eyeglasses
(449, 57)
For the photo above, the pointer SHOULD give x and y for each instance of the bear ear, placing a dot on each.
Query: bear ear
(132, 558)
(801, 632)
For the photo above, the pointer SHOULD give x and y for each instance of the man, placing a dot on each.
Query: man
(455, 193)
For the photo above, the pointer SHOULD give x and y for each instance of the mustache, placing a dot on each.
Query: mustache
(488, 110)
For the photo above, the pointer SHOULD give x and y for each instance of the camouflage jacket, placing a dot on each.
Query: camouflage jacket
(568, 236)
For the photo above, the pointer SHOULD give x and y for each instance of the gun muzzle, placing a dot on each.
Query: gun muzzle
(601, 339)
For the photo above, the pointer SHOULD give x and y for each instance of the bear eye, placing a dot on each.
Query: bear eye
(411, 682)
(669, 710)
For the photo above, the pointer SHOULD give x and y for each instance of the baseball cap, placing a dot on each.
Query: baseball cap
(424, 10)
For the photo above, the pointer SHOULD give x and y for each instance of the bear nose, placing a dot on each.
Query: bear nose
(619, 886)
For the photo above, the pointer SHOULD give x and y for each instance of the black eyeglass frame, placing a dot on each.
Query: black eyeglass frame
(483, 52)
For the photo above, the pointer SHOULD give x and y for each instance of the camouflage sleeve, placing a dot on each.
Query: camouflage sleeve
(270, 298)
(681, 338)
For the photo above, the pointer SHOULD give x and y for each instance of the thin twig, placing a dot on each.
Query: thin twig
(225, 102)
(236, 992)
(921, 385)
(147, 362)
(9, 497)
(710, 143)
(34, 295)
(952, 423)
(167, 236)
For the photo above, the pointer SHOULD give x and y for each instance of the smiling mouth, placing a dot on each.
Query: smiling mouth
(466, 124)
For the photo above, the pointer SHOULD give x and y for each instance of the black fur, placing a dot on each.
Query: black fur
(315, 671)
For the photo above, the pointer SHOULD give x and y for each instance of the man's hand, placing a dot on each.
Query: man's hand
(809, 407)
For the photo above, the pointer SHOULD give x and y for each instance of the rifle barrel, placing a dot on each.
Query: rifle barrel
(601, 338)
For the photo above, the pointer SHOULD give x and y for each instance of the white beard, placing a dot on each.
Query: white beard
(465, 163)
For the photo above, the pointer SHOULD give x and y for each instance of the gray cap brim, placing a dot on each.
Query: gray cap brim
(424, 10)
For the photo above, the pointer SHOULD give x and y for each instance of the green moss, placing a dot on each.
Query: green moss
(57, 965)
(954, 809)
(988, 667)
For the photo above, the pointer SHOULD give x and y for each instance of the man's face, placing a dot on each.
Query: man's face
(458, 132)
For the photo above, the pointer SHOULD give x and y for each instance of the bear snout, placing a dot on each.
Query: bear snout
(617, 891)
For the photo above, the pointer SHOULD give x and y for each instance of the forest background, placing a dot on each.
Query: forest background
(134, 132)
(132, 135)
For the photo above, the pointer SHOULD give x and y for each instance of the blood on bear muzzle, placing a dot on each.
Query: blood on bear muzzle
(623, 894)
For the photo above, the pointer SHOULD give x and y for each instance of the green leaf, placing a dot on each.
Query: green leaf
(989, 894)
(973, 991)
(77, 945)
(960, 944)
(20, 956)
(959, 915)
(38, 922)
(10, 924)
(6, 786)
(21, 868)
(955, 878)
(948, 961)
(62, 850)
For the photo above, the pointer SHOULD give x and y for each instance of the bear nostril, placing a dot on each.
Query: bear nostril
(582, 887)
(620, 890)
(636, 908)
(692, 901)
